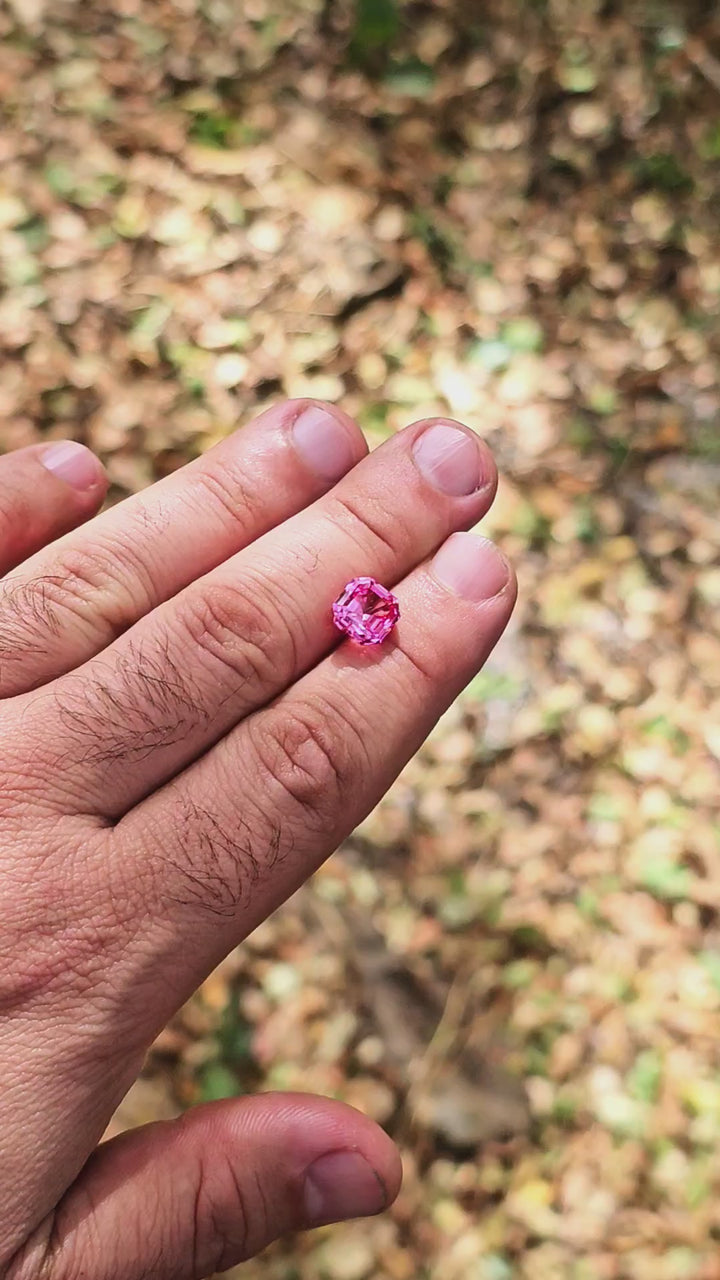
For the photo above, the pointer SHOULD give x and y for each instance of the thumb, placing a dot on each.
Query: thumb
(184, 1198)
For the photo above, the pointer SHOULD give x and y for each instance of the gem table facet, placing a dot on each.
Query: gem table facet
(366, 611)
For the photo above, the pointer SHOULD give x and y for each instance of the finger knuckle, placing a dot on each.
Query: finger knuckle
(225, 490)
(371, 519)
(241, 628)
(310, 754)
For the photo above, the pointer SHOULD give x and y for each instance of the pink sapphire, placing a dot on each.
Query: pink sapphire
(366, 611)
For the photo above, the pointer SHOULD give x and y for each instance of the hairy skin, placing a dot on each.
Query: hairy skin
(183, 740)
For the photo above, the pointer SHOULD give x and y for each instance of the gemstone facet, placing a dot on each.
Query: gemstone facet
(366, 611)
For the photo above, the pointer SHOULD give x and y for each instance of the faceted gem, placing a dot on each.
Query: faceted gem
(366, 611)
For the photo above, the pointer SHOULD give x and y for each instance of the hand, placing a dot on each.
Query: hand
(182, 742)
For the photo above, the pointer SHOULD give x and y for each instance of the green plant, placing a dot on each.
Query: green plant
(231, 1070)
(376, 25)
(212, 129)
(664, 172)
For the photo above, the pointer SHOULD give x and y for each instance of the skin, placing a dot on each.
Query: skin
(183, 740)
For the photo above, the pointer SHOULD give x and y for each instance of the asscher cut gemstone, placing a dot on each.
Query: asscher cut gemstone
(366, 611)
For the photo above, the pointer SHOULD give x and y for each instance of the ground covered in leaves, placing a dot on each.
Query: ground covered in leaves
(508, 213)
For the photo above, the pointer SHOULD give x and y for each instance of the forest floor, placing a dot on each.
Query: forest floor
(510, 217)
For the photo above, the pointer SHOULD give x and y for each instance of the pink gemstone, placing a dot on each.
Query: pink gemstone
(366, 611)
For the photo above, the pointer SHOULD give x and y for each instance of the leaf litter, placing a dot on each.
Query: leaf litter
(509, 216)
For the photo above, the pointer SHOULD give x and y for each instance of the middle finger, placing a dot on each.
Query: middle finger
(182, 678)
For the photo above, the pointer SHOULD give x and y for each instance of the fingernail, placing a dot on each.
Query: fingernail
(73, 463)
(472, 567)
(340, 1186)
(323, 443)
(449, 459)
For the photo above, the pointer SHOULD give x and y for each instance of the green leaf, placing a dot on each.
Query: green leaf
(235, 1035)
(588, 527)
(376, 25)
(576, 72)
(665, 879)
(218, 1081)
(705, 442)
(604, 807)
(622, 1114)
(531, 524)
(438, 241)
(527, 937)
(456, 911)
(519, 973)
(697, 1188)
(60, 179)
(711, 961)
(580, 435)
(664, 172)
(670, 37)
(151, 321)
(212, 129)
(493, 354)
(35, 234)
(602, 399)
(373, 416)
(488, 685)
(564, 1109)
(523, 334)
(588, 905)
(709, 145)
(496, 1267)
(645, 1075)
(412, 78)
(663, 728)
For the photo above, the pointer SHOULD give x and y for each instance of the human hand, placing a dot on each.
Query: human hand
(182, 743)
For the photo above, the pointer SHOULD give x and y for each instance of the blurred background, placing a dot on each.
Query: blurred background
(508, 213)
